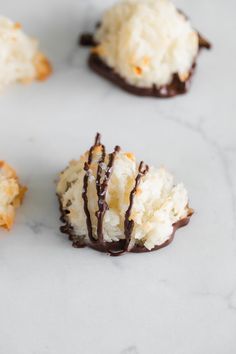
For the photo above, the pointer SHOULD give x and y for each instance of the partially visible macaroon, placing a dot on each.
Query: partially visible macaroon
(147, 47)
(114, 204)
(20, 58)
(11, 195)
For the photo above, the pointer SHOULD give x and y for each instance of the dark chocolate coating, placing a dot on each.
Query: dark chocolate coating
(113, 248)
(86, 40)
(175, 87)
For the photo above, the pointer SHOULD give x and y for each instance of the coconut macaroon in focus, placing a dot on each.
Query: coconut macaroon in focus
(11, 195)
(147, 47)
(20, 58)
(114, 204)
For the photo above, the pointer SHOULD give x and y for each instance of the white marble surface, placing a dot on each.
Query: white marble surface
(60, 300)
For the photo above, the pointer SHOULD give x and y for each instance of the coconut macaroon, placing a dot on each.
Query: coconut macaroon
(11, 195)
(147, 47)
(112, 203)
(20, 58)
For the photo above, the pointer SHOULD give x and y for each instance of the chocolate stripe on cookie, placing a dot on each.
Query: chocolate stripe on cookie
(102, 191)
(85, 186)
(129, 224)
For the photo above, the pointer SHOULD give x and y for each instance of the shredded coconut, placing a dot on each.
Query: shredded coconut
(20, 60)
(158, 204)
(146, 42)
(11, 195)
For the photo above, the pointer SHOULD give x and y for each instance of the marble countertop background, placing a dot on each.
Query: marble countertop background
(181, 300)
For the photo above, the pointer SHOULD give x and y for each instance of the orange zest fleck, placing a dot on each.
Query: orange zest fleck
(97, 149)
(130, 155)
(43, 67)
(139, 191)
(137, 70)
(17, 25)
(146, 61)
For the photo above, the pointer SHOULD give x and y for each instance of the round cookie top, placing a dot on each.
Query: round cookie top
(146, 42)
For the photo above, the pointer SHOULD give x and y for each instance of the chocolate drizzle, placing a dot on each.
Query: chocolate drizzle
(85, 187)
(101, 187)
(129, 224)
(103, 176)
(102, 191)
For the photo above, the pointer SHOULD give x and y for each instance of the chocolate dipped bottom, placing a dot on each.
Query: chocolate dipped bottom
(114, 248)
(125, 51)
(176, 87)
(95, 237)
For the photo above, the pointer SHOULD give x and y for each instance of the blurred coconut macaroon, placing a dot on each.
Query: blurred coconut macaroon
(147, 47)
(20, 58)
(11, 195)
